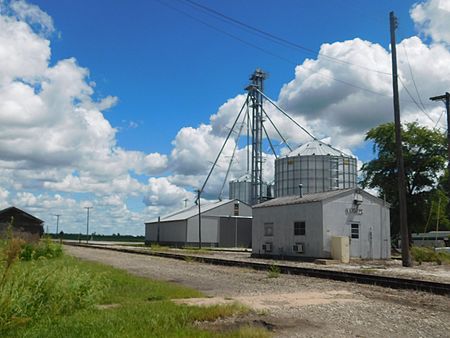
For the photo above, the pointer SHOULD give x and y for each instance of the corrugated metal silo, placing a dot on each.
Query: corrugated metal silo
(317, 166)
(241, 189)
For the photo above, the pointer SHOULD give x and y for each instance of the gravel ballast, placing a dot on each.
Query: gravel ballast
(345, 310)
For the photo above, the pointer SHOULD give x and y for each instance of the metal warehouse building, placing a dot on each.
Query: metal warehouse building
(226, 223)
(303, 226)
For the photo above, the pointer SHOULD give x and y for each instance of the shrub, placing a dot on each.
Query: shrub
(274, 271)
(27, 252)
(426, 254)
(443, 257)
(46, 248)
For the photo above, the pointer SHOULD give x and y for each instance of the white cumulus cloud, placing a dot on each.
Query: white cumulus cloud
(59, 153)
(432, 18)
(33, 15)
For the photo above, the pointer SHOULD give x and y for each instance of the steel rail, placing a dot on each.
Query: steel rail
(343, 276)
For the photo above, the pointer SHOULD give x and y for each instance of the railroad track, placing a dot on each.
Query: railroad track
(384, 281)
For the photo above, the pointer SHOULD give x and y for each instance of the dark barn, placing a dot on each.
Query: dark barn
(24, 225)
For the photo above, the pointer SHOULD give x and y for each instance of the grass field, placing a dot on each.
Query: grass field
(72, 298)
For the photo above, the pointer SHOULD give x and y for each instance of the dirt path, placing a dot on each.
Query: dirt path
(295, 306)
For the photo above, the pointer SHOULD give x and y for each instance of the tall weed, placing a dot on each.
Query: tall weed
(46, 288)
(9, 253)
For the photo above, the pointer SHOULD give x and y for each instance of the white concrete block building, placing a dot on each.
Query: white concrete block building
(302, 226)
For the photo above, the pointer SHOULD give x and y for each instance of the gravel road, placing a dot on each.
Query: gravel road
(296, 306)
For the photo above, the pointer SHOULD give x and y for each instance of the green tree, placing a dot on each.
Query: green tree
(424, 152)
(443, 195)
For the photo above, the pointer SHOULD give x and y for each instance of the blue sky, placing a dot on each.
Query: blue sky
(134, 97)
(170, 70)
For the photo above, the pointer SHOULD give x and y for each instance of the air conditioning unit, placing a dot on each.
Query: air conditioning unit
(298, 248)
(267, 247)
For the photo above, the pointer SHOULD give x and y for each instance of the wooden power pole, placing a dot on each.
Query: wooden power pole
(446, 99)
(404, 235)
(199, 220)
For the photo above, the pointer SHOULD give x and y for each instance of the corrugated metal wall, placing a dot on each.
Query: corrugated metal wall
(316, 173)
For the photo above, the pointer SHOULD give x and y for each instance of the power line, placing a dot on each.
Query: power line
(276, 39)
(365, 89)
(439, 119)
(226, 33)
(269, 52)
(413, 100)
(412, 77)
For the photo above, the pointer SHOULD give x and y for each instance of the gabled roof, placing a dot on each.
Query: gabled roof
(17, 210)
(193, 211)
(318, 197)
(309, 198)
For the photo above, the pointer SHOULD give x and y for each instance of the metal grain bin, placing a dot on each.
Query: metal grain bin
(241, 189)
(317, 166)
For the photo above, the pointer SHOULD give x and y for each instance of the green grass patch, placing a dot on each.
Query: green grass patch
(249, 331)
(65, 297)
(186, 250)
(157, 247)
(273, 271)
(426, 254)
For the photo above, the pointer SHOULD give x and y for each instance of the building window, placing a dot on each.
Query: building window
(355, 231)
(299, 228)
(236, 209)
(268, 229)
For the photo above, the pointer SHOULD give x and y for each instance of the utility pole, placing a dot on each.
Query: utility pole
(199, 220)
(404, 235)
(446, 99)
(437, 222)
(57, 224)
(157, 234)
(185, 202)
(87, 223)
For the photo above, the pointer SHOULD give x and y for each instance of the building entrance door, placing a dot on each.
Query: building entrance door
(355, 244)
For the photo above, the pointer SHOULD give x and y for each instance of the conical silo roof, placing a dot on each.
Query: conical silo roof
(244, 178)
(317, 147)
